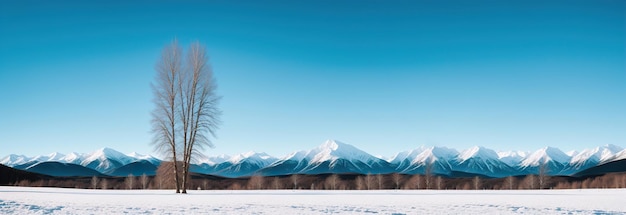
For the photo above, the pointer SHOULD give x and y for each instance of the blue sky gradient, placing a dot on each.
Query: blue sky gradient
(383, 76)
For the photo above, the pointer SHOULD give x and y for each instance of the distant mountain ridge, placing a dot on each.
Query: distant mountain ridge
(332, 157)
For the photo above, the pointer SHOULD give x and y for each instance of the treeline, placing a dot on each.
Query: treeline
(336, 182)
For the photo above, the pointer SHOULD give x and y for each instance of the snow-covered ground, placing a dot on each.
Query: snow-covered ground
(23, 200)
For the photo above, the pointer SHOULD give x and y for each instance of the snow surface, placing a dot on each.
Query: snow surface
(25, 200)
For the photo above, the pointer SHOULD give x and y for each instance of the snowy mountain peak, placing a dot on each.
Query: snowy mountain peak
(73, 158)
(512, 158)
(336, 157)
(105, 158)
(212, 160)
(478, 152)
(545, 154)
(105, 152)
(572, 153)
(55, 156)
(50, 157)
(407, 155)
(619, 156)
(505, 154)
(598, 154)
(435, 153)
(135, 155)
(332, 150)
(613, 148)
(331, 144)
(295, 156)
(257, 156)
(13, 159)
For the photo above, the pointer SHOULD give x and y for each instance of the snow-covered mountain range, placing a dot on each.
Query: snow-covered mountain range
(332, 157)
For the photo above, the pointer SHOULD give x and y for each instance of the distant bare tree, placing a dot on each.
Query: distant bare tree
(277, 183)
(205, 184)
(130, 179)
(417, 181)
(368, 181)
(144, 181)
(256, 182)
(104, 184)
(332, 181)
(510, 181)
(294, 180)
(360, 183)
(543, 174)
(439, 182)
(530, 181)
(396, 179)
(428, 172)
(379, 179)
(94, 182)
(477, 184)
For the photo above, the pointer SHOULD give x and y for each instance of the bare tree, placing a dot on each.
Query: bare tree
(530, 181)
(130, 179)
(368, 181)
(543, 174)
(94, 182)
(294, 180)
(166, 174)
(186, 113)
(205, 184)
(510, 181)
(144, 181)
(104, 184)
(417, 180)
(360, 183)
(277, 183)
(379, 179)
(199, 114)
(256, 182)
(439, 182)
(164, 116)
(396, 179)
(477, 184)
(332, 181)
(428, 172)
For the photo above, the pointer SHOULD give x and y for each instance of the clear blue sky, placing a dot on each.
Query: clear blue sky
(385, 76)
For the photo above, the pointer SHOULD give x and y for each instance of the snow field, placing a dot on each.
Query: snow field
(26, 200)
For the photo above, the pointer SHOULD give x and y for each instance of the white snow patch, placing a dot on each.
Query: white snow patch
(25, 200)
